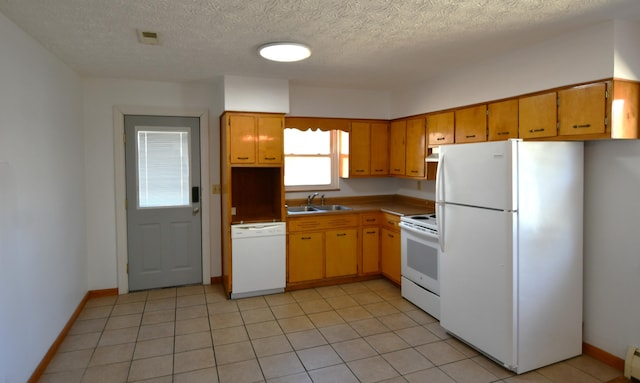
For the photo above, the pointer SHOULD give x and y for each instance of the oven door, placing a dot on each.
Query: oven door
(421, 258)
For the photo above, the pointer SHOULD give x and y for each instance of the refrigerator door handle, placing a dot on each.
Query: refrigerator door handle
(439, 183)
(440, 201)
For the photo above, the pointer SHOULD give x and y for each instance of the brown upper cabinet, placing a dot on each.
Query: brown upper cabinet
(255, 139)
(538, 116)
(368, 150)
(397, 148)
(440, 127)
(503, 120)
(471, 124)
(581, 110)
(416, 147)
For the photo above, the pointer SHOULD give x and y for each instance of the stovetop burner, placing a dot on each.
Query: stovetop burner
(423, 220)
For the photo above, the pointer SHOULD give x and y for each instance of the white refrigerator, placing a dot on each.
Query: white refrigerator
(510, 226)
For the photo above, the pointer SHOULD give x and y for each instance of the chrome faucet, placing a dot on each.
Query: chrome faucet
(310, 198)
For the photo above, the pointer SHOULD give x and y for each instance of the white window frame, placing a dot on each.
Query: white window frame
(335, 173)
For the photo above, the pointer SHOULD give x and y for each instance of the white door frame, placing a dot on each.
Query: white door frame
(122, 257)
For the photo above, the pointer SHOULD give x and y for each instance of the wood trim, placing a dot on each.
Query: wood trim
(44, 363)
(103, 293)
(603, 356)
(216, 280)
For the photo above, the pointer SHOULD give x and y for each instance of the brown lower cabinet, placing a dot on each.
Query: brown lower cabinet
(390, 247)
(305, 261)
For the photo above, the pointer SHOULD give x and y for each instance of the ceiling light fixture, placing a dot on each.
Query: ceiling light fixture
(284, 51)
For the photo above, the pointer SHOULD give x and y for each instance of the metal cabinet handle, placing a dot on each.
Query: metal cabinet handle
(440, 138)
(269, 158)
(502, 133)
(242, 158)
(536, 130)
(471, 136)
(581, 126)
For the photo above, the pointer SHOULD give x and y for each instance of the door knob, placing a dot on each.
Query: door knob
(196, 210)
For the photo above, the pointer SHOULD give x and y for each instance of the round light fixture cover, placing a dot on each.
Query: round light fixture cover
(284, 51)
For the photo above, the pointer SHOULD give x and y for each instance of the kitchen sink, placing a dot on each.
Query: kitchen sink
(301, 209)
(331, 207)
(315, 208)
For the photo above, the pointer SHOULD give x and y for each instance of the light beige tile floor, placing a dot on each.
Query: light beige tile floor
(357, 332)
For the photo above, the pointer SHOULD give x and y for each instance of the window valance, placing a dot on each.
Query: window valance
(315, 123)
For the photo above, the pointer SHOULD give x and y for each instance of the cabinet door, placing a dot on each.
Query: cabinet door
(397, 151)
(270, 140)
(305, 257)
(242, 135)
(360, 149)
(471, 124)
(537, 116)
(503, 120)
(581, 110)
(379, 149)
(416, 147)
(370, 250)
(341, 252)
(440, 127)
(390, 254)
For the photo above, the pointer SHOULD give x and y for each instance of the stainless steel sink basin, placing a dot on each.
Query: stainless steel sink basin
(331, 207)
(315, 208)
(301, 209)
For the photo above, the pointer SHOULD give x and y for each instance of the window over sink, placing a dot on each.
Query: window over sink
(310, 159)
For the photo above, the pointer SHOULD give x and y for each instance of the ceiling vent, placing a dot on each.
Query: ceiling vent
(149, 38)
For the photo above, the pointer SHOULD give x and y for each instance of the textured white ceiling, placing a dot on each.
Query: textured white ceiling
(355, 43)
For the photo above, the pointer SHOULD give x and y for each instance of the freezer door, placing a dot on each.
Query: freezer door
(478, 279)
(479, 174)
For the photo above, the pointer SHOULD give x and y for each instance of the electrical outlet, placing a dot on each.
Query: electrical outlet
(215, 189)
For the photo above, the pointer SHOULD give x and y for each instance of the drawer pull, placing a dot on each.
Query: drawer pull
(581, 126)
(341, 234)
(471, 136)
(414, 171)
(370, 232)
(242, 158)
(396, 170)
(502, 133)
(391, 223)
(378, 170)
(359, 170)
(370, 219)
(269, 158)
(440, 138)
(391, 235)
(536, 130)
(305, 238)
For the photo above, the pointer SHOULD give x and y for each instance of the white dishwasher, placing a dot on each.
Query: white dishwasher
(258, 259)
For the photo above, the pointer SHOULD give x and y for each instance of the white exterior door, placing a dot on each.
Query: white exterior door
(162, 159)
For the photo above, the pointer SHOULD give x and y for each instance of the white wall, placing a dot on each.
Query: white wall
(251, 94)
(100, 96)
(43, 275)
(626, 52)
(612, 245)
(307, 101)
(583, 55)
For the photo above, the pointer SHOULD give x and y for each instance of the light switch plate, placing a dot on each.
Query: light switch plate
(215, 189)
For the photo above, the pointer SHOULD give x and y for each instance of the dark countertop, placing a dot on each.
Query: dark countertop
(399, 206)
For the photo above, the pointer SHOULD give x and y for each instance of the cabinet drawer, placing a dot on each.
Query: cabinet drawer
(390, 222)
(328, 222)
(370, 219)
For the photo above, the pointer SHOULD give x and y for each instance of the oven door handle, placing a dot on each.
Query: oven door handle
(417, 232)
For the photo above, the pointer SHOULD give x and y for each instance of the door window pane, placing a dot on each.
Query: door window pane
(163, 167)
